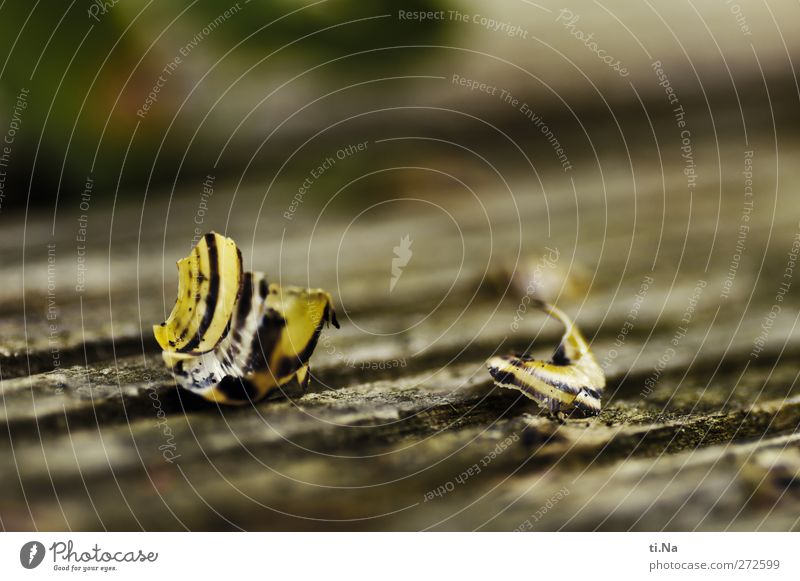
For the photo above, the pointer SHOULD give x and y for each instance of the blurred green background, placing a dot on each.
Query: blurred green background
(90, 66)
(242, 85)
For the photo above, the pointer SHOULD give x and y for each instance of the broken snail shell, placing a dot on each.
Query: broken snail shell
(572, 382)
(232, 337)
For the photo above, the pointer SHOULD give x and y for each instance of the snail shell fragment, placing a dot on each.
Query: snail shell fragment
(232, 337)
(572, 382)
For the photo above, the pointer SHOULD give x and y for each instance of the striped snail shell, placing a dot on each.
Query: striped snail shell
(232, 337)
(571, 382)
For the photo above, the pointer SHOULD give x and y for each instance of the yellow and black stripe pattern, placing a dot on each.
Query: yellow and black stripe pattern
(232, 337)
(572, 382)
(209, 280)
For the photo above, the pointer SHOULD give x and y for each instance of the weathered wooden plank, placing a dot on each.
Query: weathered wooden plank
(351, 425)
(106, 441)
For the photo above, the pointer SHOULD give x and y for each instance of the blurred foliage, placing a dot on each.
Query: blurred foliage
(89, 69)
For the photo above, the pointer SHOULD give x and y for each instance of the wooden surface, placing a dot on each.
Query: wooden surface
(402, 428)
